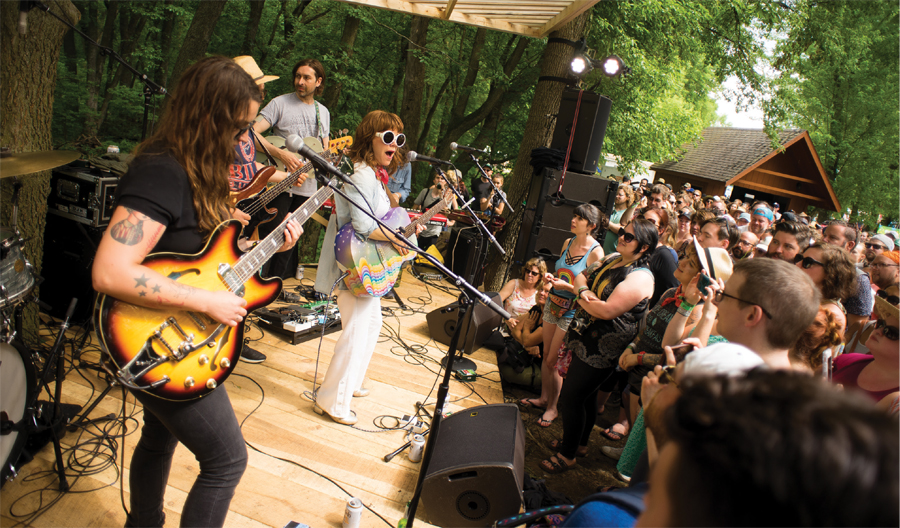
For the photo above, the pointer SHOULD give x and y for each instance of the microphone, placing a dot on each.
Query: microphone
(414, 156)
(456, 146)
(24, 8)
(295, 144)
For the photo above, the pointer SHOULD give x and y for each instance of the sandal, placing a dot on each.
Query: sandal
(529, 403)
(555, 444)
(555, 465)
(615, 436)
(544, 423)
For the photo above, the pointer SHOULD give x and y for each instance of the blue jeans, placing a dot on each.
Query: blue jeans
(210, 430)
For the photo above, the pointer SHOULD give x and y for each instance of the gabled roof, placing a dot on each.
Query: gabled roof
(726, 152)
(532, 18)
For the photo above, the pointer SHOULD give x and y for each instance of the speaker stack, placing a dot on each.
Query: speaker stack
(477, 469)
(590, 128)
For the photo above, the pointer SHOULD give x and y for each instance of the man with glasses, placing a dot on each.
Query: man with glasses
(886, 269)
(764, 306)
(744, 247)
(858, 305)
(294, 113)
(875, 246)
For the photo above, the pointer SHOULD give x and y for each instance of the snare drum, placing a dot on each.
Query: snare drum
(17, 385)
(16, 276)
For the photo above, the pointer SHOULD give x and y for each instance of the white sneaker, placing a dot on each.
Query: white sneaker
(614, 453)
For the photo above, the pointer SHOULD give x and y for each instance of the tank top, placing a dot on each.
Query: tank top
(568, 272)
(517, 304)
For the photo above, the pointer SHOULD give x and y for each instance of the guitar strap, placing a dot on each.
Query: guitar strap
(269, 157)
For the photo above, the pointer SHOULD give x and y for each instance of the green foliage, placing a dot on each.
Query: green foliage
(838, 78)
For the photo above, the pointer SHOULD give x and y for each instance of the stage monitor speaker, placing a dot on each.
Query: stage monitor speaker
(477, 327)
(467, 248)
(590, 129)
(548, 214)
(477, 469)
(69, 250)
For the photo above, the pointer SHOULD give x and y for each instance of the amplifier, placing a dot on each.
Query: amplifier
(84, 195)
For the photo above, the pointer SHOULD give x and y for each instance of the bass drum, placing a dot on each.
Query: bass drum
(17, 386)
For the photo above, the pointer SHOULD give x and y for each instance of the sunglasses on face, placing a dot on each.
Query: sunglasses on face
(809, 262)
(627, 237)
(242, 131)
(874, 246)
(532, 272)
(889, 332)
(389, 137)
(893, 299)
(667, 376)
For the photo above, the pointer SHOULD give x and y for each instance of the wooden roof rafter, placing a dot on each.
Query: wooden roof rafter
(531, 18)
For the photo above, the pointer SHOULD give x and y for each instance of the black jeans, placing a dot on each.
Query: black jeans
(578, 403)
(283, 264)
(209, 429)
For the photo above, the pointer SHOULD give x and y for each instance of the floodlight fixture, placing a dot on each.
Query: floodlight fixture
(580, 65)
(612, 66)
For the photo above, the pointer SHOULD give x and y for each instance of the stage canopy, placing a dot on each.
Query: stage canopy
(532, 18)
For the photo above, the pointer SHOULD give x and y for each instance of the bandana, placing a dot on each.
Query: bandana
(677, 298)
(382, 174)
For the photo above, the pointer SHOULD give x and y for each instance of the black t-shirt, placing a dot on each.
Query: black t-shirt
(157, 186)
(662, 265)
(481, 189)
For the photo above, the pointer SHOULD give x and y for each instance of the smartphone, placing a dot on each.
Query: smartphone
(703, 284)
(681, 351)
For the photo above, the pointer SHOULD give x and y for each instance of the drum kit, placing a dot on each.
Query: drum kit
(20, 377)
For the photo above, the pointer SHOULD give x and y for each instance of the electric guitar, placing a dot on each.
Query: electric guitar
(374, 265)
(256, 196)
(178, 354)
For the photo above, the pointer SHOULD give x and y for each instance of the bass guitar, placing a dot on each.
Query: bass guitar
(374, 265)
(256, 196)
(178, 354)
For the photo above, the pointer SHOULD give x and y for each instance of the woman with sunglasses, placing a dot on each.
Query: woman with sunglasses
(518, 295)
(376, 153)
(577, 253)
(172, 198)
(832, 270)
(612, 298)
(877, 374)
(663, 259)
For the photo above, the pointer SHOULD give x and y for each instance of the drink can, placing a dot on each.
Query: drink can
(353, 513)
(299, 274)
(417, 448)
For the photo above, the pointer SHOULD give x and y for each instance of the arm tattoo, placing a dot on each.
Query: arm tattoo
(129, 231)
(651, 360)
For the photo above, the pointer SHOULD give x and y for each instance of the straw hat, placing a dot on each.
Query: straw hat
(249, 65)
(716, 261)
(883, 307)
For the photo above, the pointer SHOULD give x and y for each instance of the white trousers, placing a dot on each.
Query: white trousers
(361, 319)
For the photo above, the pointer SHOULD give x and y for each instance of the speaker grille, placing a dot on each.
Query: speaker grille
(473, 505)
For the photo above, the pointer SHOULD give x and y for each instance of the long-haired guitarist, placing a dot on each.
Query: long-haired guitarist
(376, 154)
(171, 199)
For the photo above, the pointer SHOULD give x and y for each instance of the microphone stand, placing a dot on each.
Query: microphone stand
(150, 87)
(466, 296)
(496, 190)
(477, 221)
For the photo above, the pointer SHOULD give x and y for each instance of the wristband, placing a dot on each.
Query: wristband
(686, 305)
(641, 358)
(581, 289)
(685, 312)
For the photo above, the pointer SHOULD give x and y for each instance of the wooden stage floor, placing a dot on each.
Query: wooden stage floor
(279, 424)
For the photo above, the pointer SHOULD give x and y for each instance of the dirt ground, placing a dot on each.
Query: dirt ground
(594, 470)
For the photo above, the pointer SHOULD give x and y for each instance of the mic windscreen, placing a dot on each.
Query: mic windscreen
(454, 145)
(293, 143)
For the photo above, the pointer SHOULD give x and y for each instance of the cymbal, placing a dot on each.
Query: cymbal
(29, 162)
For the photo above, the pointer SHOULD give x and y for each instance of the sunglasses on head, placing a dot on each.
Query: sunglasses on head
(889, 332)
(628, 237)
(389, 137)
(808, 262)
(893, 299)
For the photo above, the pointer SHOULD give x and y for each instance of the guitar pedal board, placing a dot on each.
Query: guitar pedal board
(300, 323)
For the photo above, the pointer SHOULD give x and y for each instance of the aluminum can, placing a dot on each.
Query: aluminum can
(353, 513)
(299, 273)
(417, 448)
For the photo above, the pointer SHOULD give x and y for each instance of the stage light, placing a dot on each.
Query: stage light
(580, 65)
(612, 66)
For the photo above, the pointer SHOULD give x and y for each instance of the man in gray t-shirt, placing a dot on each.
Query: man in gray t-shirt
(294, 113)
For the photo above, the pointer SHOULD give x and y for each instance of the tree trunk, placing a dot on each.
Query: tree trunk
(27, 83)
(547, 96)
(398, 77)
(165, 45)
(131, 28)
(197, 39)
(411, 106)
(256, 11)
(348, 40)
(94, 63)
(268, 46)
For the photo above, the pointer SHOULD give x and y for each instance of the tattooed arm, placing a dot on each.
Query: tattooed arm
(118, 272)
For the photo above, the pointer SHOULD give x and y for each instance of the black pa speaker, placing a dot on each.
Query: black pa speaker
(477, 468)
(590, 128)
(69, 250)
(467, 248)
(548, 215)
(478, 326)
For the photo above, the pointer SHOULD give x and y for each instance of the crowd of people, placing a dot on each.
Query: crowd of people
(692, 302)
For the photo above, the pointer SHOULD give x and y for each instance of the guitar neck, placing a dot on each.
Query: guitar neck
(284, 184)
(254, 259)
(426, 216)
